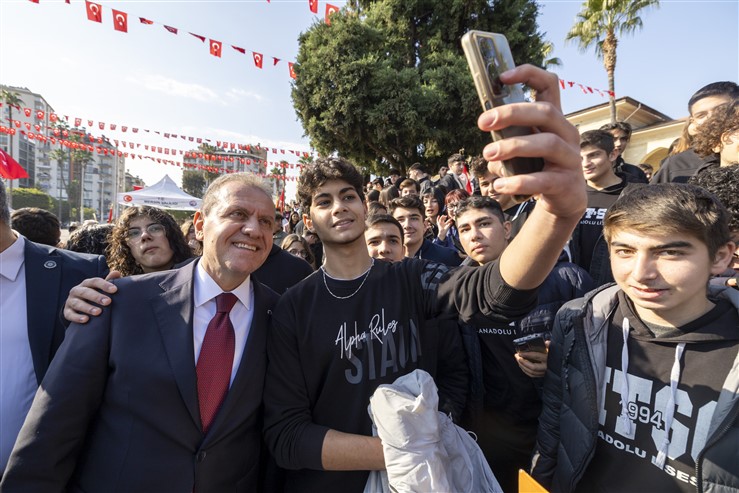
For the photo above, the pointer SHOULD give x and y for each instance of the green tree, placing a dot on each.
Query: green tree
(31, 197)
(599, 24)
(193, 182)
(387, 84)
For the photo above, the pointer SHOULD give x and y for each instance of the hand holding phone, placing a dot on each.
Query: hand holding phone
(488, 55)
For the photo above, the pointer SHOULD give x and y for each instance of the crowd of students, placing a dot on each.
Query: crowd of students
(587, 335)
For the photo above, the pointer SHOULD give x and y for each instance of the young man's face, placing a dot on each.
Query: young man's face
(456, 167)
(410, 190)
(704, 108)
(412, 222)
(443, 171)
(384, 241)
(665, 276)
(596, 163)
(337, 213)
(482, 234)
(620, 140)
(486, 190)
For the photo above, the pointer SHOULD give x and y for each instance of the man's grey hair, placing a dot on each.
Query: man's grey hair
(4, 205)
(211, 196)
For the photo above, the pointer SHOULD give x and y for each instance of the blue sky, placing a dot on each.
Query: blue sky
(149, 78)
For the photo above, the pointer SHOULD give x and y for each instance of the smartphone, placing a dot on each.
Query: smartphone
(532, 342)
(488, 55)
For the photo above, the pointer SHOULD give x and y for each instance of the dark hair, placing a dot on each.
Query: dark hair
(325, 169)
(477, 202)
(670, 208)
(388, 194)
(725, 118)
(384, 218)
(625, 127)
(374, 206)
(373, 195)
(723, 182)
(437, 193)
(4, 205)
(420, 167)
(455, 158)
(410, 182)
(597, 138)
(292, 238)
(407, 202)
(646, 167)
(37, 225)
(90, 239)
(479, 167)
(724, 88)
(119, 254)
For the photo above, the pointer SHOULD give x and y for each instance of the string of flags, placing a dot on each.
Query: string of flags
(102, 149)
(121, 23)
(55, 118)
(564, 84)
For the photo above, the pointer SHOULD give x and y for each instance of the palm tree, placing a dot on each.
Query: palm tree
(60, 157)
(599, 24)
(11, 99)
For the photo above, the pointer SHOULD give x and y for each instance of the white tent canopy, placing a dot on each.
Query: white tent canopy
(164, 194)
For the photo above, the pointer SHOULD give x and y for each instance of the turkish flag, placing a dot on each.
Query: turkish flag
(27, 112)
(291, 69)
(110, 214)
(94, 11)
(240, 50)
(40, 115)
(201, 38)
(215, 48)
(313, 4)
(173, 30)
(330, 9)
(120, 21)
(258, 59)
(146, 21)
(34, 1)
(77, 122)
(468, 182)
(275, 61)
(9, 167)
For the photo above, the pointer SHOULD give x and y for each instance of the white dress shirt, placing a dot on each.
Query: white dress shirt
(242, 313)
(17, 378)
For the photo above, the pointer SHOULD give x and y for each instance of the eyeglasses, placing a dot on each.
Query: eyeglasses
(298, 253)
(154, 229)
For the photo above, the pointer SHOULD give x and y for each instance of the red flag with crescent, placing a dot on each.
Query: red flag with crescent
(173, 30)
(291, 69)
(120, 21)
(9, 167)
(313, 4)
(145, 21)
(258, 59)
(215, 48)
(94, 11)
(330, 10)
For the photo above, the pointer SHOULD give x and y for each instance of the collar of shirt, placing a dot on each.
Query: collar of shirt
(206, 289)
(11, 260)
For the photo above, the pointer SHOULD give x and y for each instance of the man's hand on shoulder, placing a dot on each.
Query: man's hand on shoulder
(79, 302)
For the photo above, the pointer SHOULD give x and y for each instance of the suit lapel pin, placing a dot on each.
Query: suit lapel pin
(50, 264)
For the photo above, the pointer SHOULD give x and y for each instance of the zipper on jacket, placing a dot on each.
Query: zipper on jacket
(722, 431)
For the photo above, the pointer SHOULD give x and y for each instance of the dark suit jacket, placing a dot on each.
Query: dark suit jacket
(118, 408)
(50, 274)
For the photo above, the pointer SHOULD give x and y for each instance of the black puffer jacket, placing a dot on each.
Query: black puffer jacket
(568, 425)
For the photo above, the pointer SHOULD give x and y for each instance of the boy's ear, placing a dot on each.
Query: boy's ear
(613, 155)
(307, 221)
(723, 258)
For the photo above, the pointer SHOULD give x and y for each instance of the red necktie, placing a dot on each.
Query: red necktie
(216, 360)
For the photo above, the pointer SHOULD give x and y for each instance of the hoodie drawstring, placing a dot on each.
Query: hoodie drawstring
(669, 411)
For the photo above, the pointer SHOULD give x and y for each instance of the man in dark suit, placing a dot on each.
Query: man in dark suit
(162, 391)
(34, 282)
